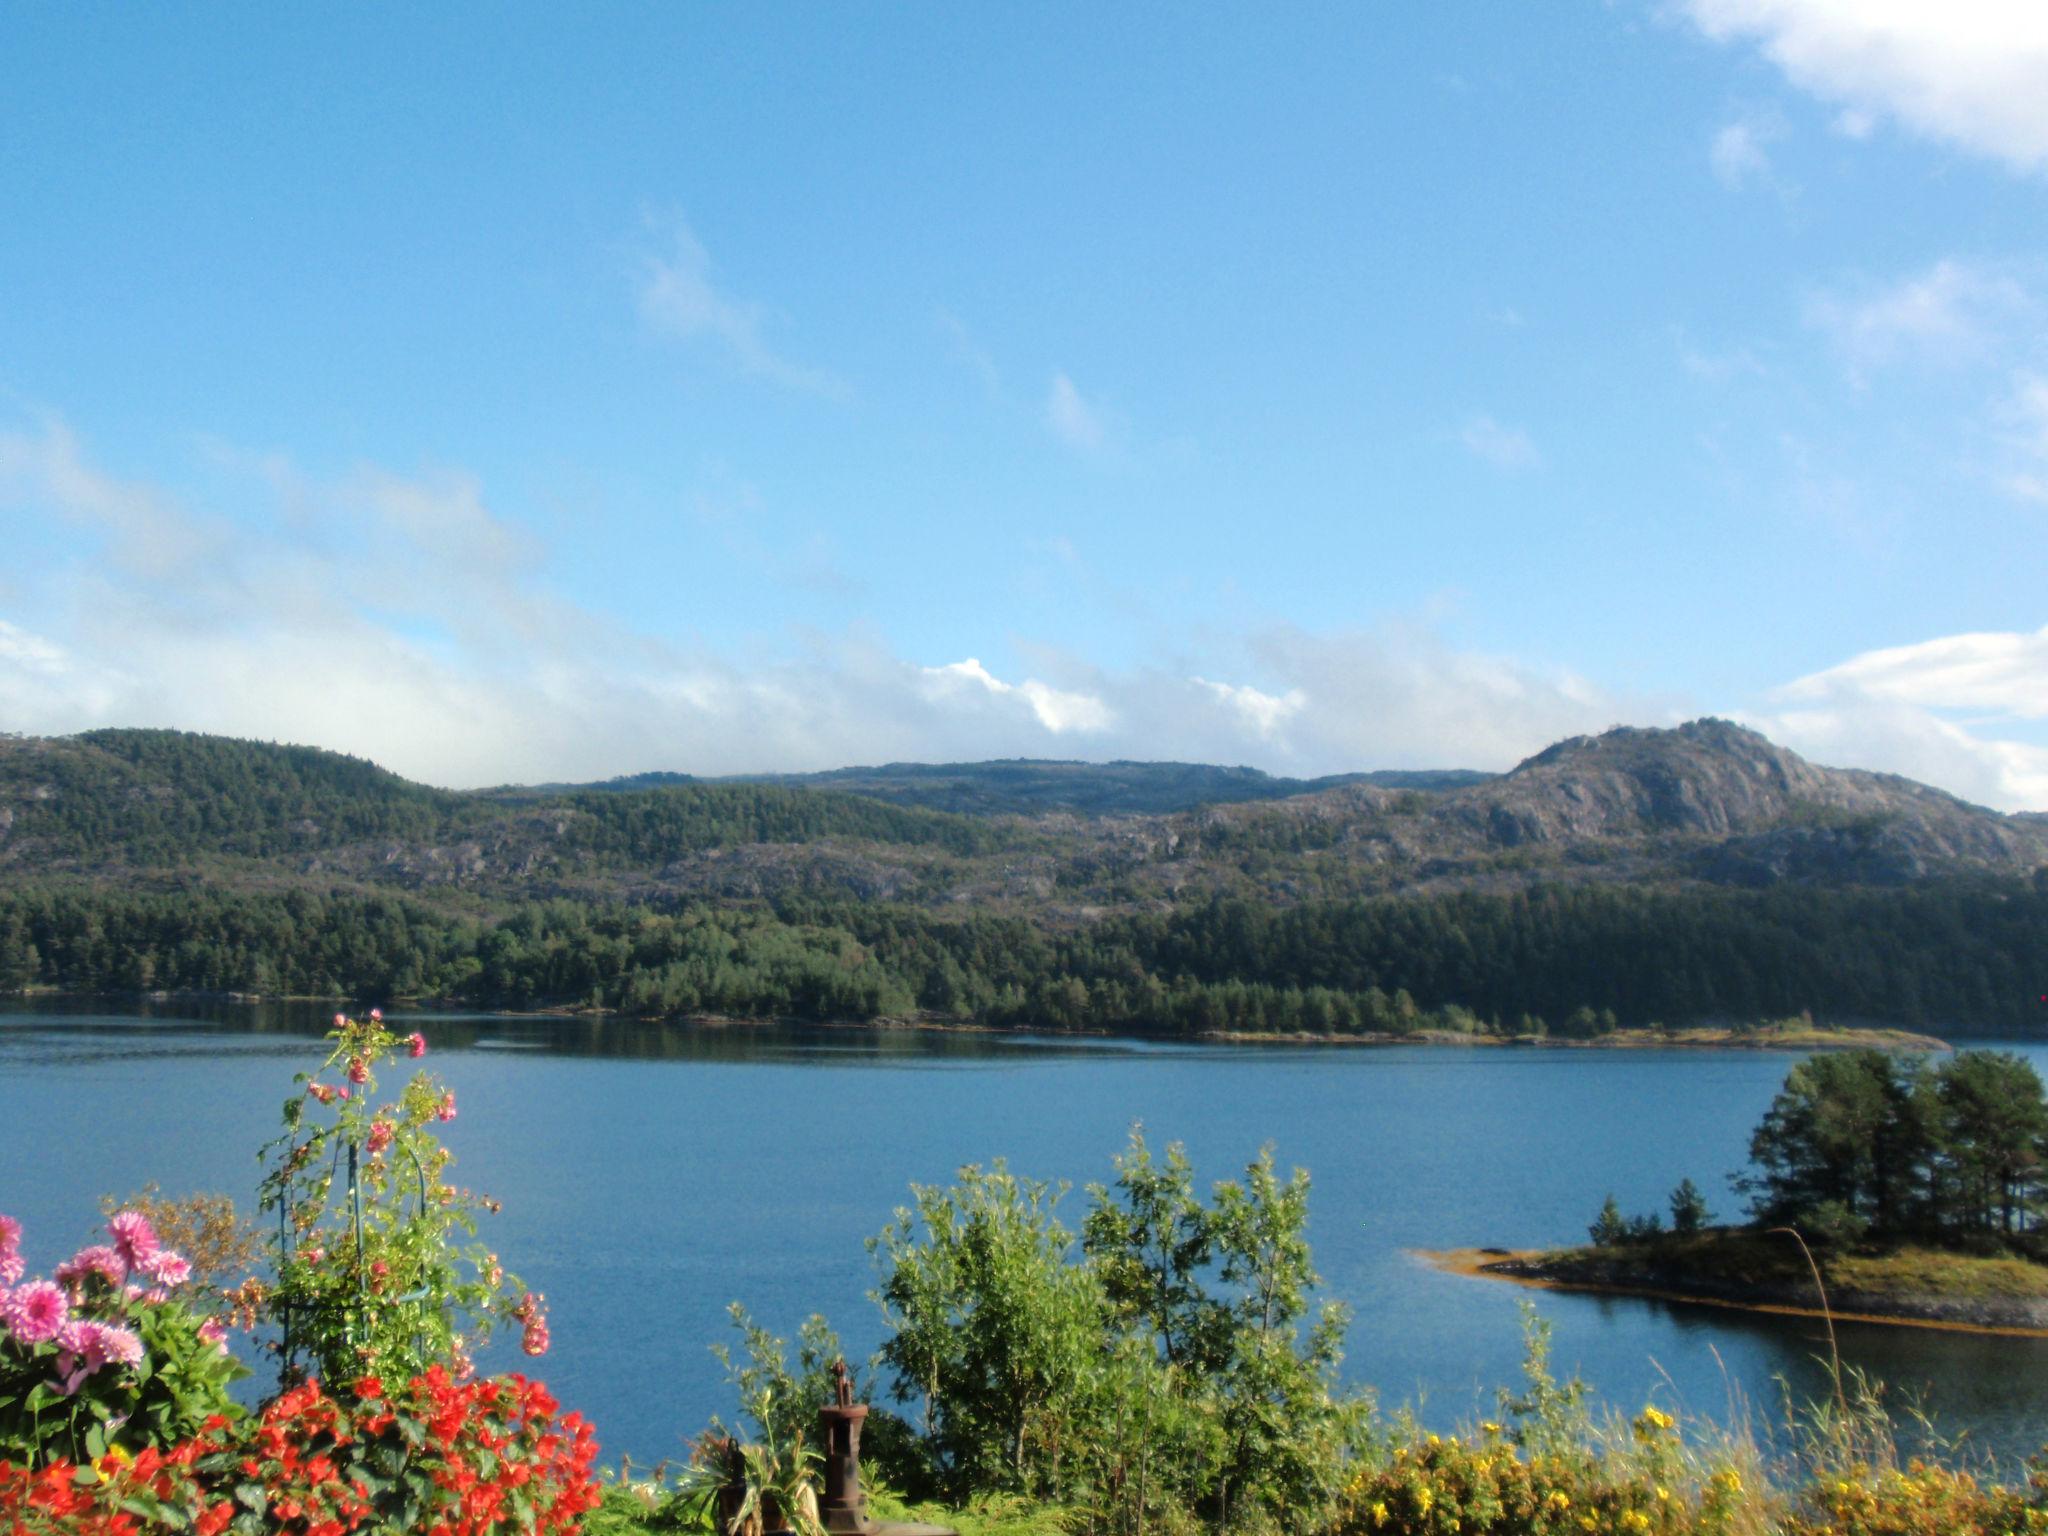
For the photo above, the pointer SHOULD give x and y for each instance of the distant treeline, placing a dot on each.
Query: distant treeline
(115, 802)
(1569, 960)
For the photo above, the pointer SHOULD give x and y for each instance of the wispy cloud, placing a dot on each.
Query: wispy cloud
(406, 619)
(1721, 366)
(2025, 415)
(1740, 153)
(678, 298)
(2001, 674)
(968, 351)
(1266, 713)
(1952, 312)
(1970, 73)
(1504, 447)
(1074, 420)
(1940, 710)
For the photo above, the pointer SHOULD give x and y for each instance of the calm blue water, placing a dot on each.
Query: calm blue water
(653, 1174)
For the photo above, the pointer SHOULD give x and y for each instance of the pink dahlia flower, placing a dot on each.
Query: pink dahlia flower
(358, 1070)
(35, 1312)
(214, 1334)
(11, 1266)
(167, 1268)
(416, 1045)
(380, 1136)
(120, 1346)
(99, 1260)
(135, 1239)
(377, 1015)
(447, 1109)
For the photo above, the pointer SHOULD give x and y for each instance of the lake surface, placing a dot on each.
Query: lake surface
(653, 1174)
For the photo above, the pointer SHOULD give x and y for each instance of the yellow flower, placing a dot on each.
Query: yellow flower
(1379, 1512)
(1488, 1427)
(1424, 1500)
(1652, 1421)
(1634, 1520)
(1559, 1499)
(1663, 1494)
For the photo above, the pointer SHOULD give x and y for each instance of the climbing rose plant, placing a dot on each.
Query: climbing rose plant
(375, 1273)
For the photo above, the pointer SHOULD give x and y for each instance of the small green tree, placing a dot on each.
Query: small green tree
(1609, 1227)
(1288, 1431)
(994, 1328)
(1993, 1141)
(1689, 1211)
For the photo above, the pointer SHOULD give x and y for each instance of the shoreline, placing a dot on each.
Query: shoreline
(1526, 1267)
(1693, 1037)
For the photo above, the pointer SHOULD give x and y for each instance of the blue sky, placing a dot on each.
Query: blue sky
(550, 392)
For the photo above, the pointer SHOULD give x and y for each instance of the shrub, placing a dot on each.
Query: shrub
(105, 1355)
(476, 1458)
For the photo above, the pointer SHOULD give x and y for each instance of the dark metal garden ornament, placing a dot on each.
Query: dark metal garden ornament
(844, 1509)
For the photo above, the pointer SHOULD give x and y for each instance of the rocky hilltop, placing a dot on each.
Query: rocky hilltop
(1708, 800)
(1706, 803)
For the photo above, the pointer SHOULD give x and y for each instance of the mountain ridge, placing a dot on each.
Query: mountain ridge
(1709, 802)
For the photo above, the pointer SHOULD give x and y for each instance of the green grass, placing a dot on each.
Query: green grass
(632, 1509)
(1745, 1258)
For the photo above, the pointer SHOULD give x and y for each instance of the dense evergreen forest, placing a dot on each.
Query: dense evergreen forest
(1569, 960)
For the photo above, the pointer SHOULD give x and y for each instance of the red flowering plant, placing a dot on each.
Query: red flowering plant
(473, 1458)
(373, 1277)
(109, 1354)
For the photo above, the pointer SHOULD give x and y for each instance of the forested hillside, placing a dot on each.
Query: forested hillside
(1637, 877)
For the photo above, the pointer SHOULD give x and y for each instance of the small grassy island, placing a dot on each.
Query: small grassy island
(1881, 1188)
(1800, 1033)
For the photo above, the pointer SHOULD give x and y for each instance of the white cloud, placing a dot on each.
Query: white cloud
(1501, 446)
(1072, 418)
(30, 654)
(1057, 710)
(678, 298)
(1971, 73)
(1929, 711)
(2004, 674)
(1719, 367)
(2026, 413)
(1953, 312)
(1740, 154)
(404, 619)
(1265, 713)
